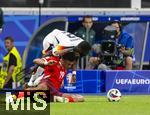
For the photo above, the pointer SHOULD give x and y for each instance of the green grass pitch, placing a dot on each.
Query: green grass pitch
(98, 105)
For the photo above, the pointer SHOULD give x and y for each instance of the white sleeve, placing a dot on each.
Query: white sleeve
(45, 45)
(49, 39)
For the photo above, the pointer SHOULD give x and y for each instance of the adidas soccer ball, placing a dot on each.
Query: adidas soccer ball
(113, 95)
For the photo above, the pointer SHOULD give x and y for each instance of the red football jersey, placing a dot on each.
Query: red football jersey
(56, 71)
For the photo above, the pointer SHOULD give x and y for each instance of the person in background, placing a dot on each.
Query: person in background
(1, 26)
(58, 42)
(124, 53)
(12, 64)
(87, 33)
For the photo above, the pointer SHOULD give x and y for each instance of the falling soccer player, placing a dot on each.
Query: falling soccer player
(57, 43)
(55, 70)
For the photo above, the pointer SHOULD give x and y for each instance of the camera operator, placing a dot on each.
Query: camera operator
(116, 49)
(125, 46)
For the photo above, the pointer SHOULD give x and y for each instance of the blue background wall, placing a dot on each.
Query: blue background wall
(128, 81)
(95, 81)
(21, 27)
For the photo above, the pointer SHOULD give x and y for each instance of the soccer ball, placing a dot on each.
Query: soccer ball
(113, 95)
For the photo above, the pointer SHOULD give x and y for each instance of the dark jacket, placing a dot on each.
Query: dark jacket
(87, 35)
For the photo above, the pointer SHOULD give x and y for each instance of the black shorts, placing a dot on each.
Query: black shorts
(9, 84)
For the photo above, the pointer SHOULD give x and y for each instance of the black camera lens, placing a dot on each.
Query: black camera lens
(110, 32)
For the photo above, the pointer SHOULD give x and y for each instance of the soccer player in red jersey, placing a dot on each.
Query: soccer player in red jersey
(55, 70)
(57, 43)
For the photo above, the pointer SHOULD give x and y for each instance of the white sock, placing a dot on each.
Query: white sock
(35, 76)
(37, 81)
(39, 72)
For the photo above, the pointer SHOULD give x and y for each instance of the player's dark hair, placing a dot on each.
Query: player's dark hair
(87, 16)
(70, 56)
(9, 38)
(83, 48)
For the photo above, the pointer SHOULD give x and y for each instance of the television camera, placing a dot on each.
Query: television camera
(109, 47)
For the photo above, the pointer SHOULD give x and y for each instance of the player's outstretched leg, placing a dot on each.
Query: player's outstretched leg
(73, 97)
(34, 80)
